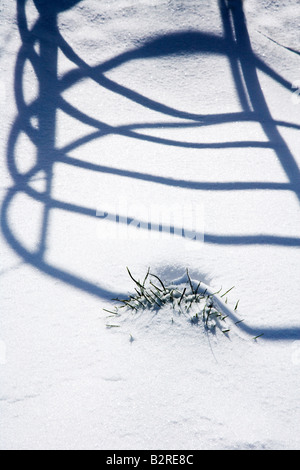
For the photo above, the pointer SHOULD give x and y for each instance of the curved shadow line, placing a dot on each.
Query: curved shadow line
(218, 120)
(96, 74)
(106, 129)
(35, 259)
(175, 44)
(283, 333)
(194, 185)
(248, 63)
(209, 238)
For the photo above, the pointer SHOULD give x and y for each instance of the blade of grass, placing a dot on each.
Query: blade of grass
(181, 298)
(216, 293)
(153, 285)
(130, 306)
(190, 281)
(160, 281)
(153, 299)
(208, 315)
(134, 280)
(229, 290)
(157, 296)
(191, 303)
(138, 292)
(259, 336)
(147, 275)
(148, 298)
(196, 291)
(109, 311)
(135, 299)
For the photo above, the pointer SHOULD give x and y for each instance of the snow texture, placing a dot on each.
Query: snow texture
(112, 108)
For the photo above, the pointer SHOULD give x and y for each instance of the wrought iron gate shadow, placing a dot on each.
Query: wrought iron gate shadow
(244, 63)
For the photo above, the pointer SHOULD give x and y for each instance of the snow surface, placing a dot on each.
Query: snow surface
(164, 103)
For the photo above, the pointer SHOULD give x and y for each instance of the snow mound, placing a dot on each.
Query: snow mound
(182, 308)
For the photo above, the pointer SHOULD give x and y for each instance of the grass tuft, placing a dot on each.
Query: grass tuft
(198, 305)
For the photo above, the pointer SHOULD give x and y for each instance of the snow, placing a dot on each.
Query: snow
(144, 105)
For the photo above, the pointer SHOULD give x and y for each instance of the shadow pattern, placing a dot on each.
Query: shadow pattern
(235, 44)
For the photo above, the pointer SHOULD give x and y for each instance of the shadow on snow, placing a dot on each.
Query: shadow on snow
(235, 44)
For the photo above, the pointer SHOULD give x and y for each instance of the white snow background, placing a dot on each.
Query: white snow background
(169, 103)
